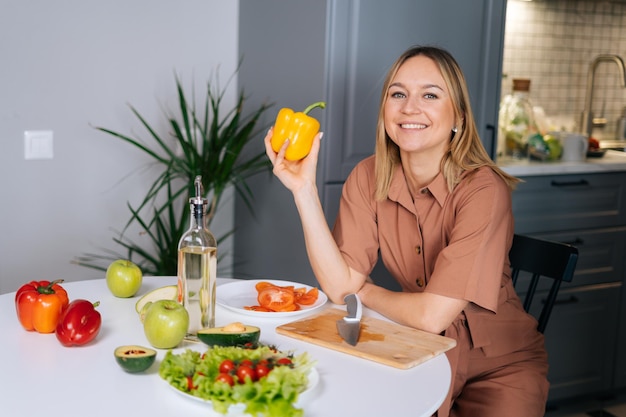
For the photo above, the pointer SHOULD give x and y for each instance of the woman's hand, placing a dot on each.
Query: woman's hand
(293, 174)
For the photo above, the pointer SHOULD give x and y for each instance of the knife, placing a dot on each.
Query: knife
(350, 326)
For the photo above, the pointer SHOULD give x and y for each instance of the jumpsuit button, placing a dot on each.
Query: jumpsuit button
(418, 249)
(419, 282)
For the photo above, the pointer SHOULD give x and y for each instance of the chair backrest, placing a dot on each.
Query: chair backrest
(542, 258)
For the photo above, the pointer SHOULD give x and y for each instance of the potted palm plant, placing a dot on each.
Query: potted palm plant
(202, 141)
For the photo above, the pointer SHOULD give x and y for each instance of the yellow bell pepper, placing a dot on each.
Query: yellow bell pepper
(299, 128)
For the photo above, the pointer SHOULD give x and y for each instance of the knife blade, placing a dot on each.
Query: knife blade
(349, 327)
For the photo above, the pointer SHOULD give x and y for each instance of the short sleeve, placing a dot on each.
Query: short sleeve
(355, 229)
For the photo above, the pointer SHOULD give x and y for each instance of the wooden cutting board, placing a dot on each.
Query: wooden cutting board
(380, 341)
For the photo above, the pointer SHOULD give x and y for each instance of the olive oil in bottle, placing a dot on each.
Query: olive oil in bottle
(197, 266)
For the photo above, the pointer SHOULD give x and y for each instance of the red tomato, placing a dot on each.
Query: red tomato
(190, 386)
(227, 378)
(262, 370)
(247, 362)
(276, 298)
(284, 362)
(245, 372)
(227, 366)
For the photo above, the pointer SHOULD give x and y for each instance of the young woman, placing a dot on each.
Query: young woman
(437, 210)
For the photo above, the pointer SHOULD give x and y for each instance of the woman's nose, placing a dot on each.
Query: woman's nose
(412, 105)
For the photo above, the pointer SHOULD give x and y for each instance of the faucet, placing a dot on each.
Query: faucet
(586, 124)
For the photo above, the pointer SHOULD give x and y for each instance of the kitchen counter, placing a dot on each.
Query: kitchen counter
(611, 161)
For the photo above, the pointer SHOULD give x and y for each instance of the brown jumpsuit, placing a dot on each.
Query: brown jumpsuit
(456, 245)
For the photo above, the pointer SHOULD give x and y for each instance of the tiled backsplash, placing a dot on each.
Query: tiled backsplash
(553, 42)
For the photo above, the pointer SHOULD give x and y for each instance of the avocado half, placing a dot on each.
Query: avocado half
(234, 334)
(133, 358)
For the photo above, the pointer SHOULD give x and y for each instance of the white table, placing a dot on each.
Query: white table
(39, 376)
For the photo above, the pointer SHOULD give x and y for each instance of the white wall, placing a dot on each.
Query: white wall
(68, 65)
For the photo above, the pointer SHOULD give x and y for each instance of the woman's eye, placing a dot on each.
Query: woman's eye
(430, 96)
(397, 94)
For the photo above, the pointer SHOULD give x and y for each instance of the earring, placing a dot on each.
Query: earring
(455, 129)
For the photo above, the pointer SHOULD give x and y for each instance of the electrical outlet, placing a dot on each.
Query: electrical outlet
(38, 144)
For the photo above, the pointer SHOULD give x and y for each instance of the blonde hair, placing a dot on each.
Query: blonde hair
(466, 152)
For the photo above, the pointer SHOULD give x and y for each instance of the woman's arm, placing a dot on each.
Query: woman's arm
(329, 267)
(425, 311)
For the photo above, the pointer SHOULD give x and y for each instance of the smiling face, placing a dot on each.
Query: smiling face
(418, 111)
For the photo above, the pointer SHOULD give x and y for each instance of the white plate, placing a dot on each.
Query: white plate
(314, 379)
(236, 295)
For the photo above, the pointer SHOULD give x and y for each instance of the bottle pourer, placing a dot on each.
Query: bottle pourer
(198, 203)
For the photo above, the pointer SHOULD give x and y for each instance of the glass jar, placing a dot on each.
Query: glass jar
(516, 121)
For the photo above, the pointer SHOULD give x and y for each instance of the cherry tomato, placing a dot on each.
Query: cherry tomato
(276, 298)
(247, 362)
(262, 370)
(244, 372)
(284, 362)
(227, 366)
(227, 378)
(190, 386)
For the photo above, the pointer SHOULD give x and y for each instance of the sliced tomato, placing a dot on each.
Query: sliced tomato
(290, 307)
(298, 293)
(261, 285)
(276, 298)
(257, 308)
(309, 298)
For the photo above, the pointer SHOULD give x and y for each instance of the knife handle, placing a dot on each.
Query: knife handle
(353, 306)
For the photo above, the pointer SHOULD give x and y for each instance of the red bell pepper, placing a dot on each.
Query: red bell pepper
(39, 305)
(79, 324)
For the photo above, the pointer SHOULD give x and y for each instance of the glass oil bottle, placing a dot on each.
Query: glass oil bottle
(197, 266)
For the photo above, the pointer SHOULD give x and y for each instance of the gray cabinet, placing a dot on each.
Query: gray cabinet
(300, 51)
(583, 337)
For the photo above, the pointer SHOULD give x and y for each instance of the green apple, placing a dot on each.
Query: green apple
(554, 147)
(165, 324)
(123, 278)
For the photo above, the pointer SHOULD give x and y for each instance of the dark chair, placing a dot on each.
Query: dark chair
(542, 258)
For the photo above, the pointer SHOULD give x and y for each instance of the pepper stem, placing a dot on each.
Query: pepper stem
(48, 288)
(320, 104)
